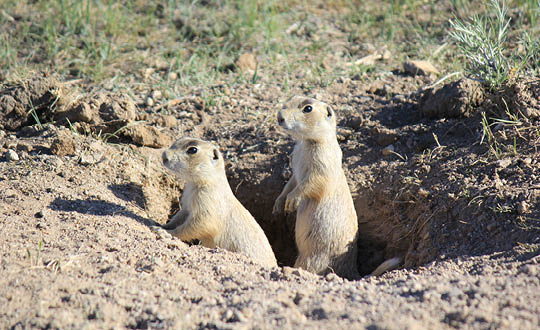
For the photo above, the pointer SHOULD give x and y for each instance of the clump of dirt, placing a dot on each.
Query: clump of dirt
(148, 136)
(520, 99)
(63, 145)
(99, 108)
(30, 101)
(108, 115)
(454, 100)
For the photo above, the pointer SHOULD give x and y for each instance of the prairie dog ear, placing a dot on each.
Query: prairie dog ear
(329, 112)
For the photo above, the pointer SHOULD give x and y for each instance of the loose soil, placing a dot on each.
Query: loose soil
(76, 207)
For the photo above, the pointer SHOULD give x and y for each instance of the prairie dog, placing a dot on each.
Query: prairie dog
(210, 211)
(326, 223)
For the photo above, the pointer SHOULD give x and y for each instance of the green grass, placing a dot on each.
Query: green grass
(110, 42)
(483, 41)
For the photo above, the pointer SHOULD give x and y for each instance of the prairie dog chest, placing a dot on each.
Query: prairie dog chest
(310, 158)
(203, 201)
(187, 196)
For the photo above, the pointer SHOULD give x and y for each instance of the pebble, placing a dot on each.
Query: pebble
(247, 62)
(155, 94)
(149, 101)
(423, 68)
(503, 163)
(368, 60)
(529, 269)
(12, 156)
(25, 147)
(86, 160)
(523, 207)
(332, 277)
(172, 76)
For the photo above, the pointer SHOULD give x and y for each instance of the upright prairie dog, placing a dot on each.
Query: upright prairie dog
(210, 211)
(326, 223)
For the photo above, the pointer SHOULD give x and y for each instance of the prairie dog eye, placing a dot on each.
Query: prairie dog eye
(192, 150)
(307, 109)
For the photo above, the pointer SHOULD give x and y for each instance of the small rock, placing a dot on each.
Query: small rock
(423, 68)
(2, 134)
(287, 271)
(63, 145)
(10, 193)
(147, 136)
(319, 314)
(149, 101)
(388, 150)
(523, 207)
(355, 123)
(369, 59)
(25, 147)
(162, 233)
(172, 76)
(86, 159)
(384, 136)
(155, 95)
(491, 227)
(529, 269)
(423, 192)
(503, 163)
(332, 277)
(246, 62)
(11, 155)
(453, 293)
(298, 297)
(386, 54)
(40, 214)
(527, 161)
(168, 121)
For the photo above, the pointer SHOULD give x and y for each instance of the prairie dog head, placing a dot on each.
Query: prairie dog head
(305, 118)
(194, 159)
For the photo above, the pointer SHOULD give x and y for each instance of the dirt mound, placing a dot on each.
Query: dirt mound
(403, 214)
(30, 101)
(520, 99)
(436, 198)
(455, 100)
(111, 116)
(99, 108)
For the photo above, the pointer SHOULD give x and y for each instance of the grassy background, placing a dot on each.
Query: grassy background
(120, 42)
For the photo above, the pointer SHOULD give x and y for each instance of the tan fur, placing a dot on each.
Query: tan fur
(326, 223)
(210, 211)
(387, 266)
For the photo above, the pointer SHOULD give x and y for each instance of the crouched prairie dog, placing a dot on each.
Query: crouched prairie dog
(326, 223)
(210, 211)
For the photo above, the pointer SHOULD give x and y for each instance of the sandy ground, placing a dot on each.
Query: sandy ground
(75, 211)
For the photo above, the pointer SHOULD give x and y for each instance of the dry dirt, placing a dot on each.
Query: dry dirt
(80, 189)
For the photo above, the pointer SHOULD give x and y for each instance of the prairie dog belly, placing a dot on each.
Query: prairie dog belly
(320, 225)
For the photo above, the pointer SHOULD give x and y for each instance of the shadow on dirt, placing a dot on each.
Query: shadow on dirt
(97, 207)
(129, 192)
